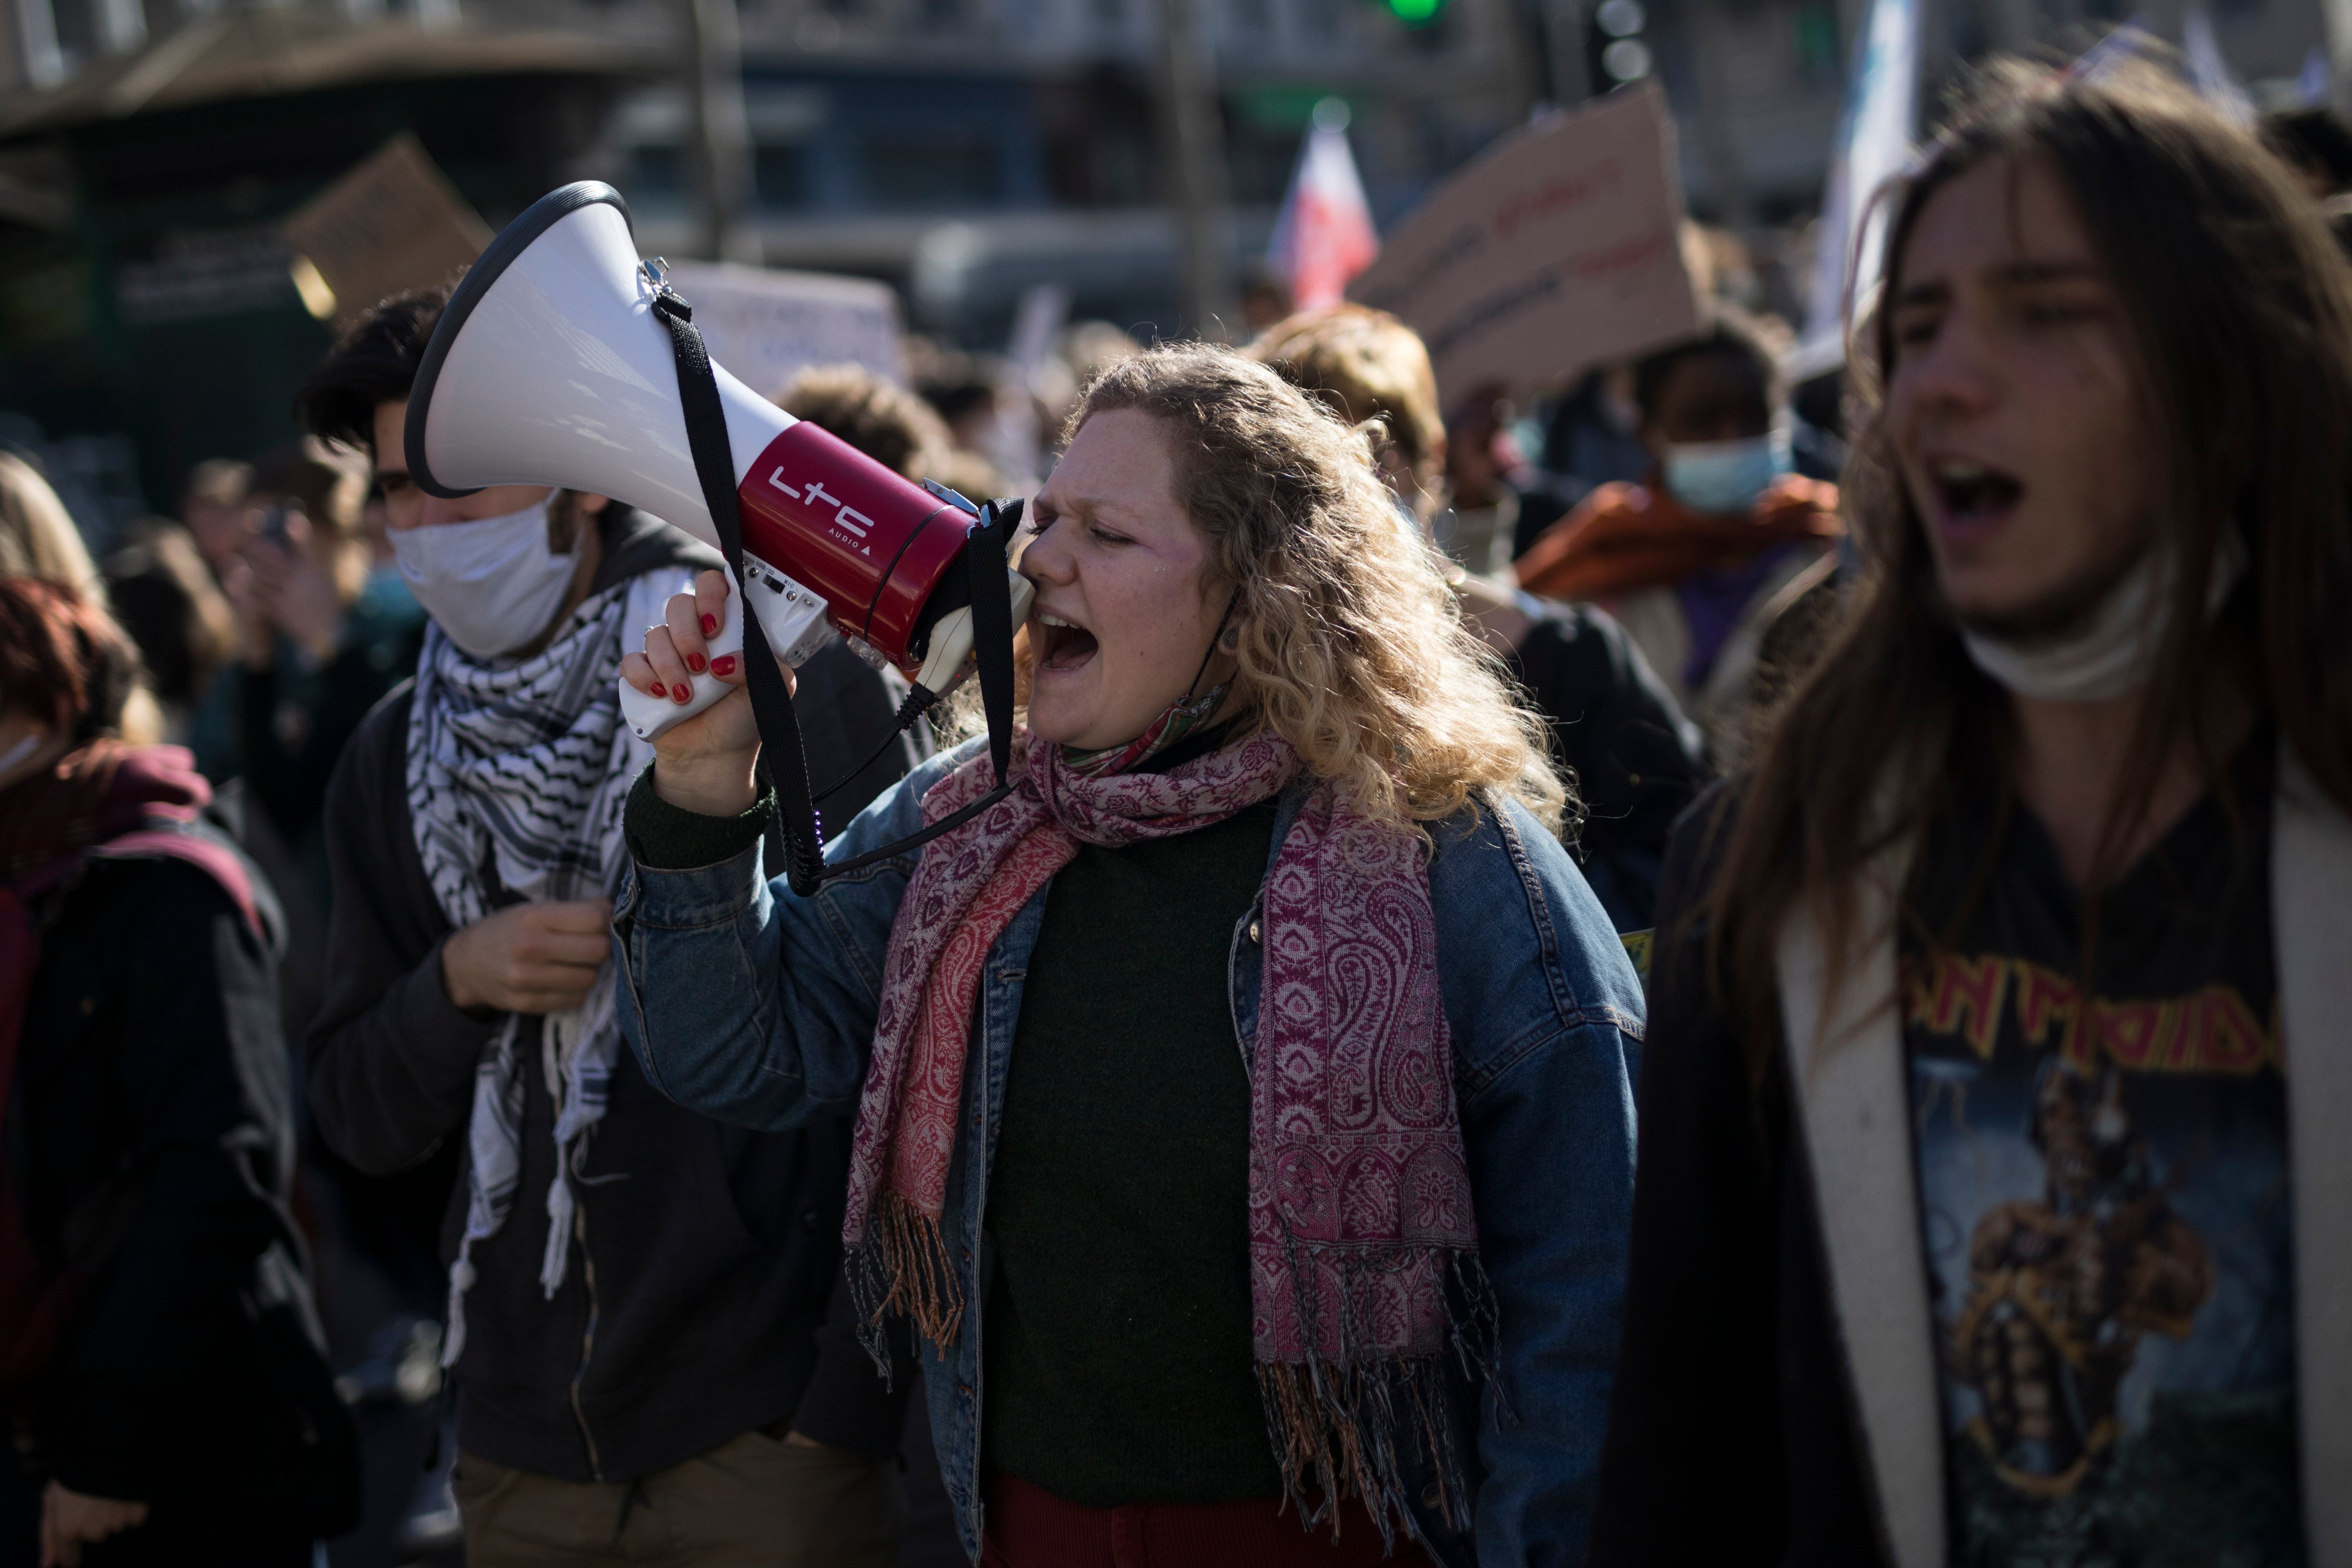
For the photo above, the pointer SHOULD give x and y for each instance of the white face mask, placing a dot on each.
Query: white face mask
(492, 585)
(2114, 652)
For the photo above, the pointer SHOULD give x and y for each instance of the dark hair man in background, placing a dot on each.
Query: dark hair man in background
(633, 1289)
(1994, 1201)
(1697, 562)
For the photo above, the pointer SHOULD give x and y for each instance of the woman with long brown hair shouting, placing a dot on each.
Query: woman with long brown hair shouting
(1992, 1203)
(1243, 1108)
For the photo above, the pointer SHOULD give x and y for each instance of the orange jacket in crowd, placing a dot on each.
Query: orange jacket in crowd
(1624, 538)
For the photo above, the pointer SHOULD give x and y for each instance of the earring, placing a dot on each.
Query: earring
(1231, 642)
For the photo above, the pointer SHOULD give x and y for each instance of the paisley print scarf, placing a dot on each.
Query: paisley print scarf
(1362, 1248)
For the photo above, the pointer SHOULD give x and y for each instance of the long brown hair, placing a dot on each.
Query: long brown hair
(2240, 307)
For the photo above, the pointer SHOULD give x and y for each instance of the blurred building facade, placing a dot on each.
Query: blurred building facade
(968, 147)
(964, 150)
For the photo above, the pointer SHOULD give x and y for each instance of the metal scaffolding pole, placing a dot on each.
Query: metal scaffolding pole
(723, 133)
(1196, 167)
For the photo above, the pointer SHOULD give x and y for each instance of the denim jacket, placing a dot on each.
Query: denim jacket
(754, 1006)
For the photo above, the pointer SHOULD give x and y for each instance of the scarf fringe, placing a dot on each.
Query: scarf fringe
(1353, 1425)
(902, 1270)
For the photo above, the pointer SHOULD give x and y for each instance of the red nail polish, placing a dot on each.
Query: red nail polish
(659, 690)
(710, 625)
(723, 665)
(682, 693)
(695, 661)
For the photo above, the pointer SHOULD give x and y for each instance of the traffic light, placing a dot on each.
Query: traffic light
(1614, 52)
(1415, 12)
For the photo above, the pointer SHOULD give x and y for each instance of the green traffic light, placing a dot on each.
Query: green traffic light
(1415, 13)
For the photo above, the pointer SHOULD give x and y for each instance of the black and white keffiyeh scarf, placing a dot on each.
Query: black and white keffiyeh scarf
(517, 776)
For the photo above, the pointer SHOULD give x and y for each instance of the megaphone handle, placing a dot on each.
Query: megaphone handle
(648, 716)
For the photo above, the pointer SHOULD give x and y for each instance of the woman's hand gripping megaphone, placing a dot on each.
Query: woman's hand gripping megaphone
(692, 667)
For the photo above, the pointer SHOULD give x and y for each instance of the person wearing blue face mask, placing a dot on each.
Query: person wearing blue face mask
(1699, 562)
(631, 1291)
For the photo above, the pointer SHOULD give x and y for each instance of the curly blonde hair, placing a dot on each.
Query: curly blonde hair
(1351, 645)
(1364, 364)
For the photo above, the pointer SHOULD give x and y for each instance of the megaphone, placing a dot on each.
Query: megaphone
(550, 367)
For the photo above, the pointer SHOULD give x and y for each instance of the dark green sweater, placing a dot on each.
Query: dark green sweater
(1117, 1365)
(1118, 1320)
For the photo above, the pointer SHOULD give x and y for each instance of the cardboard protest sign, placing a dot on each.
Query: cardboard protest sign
(392, 222)
(1556, 249)
(766, 326)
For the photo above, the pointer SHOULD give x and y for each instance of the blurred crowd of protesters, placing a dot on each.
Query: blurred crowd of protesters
(294, 910)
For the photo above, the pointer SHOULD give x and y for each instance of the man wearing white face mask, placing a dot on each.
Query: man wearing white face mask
(1698, 563)
(634, 1291)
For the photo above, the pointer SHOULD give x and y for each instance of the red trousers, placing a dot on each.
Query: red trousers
(1029, 1527)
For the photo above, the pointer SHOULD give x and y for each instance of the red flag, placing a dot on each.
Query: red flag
(1325, 234)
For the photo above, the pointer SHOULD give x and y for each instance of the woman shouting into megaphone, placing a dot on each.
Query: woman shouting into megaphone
(1244, 1104)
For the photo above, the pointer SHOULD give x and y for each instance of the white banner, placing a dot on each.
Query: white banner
(1874, 142)
(767, 326)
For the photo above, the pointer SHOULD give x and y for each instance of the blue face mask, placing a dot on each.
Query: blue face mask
(1726, 477)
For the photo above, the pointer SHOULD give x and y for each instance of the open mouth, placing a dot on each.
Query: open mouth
(1972, 497)
(1064, 644)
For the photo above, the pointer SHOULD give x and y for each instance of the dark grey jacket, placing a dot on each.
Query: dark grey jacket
(705, 1254)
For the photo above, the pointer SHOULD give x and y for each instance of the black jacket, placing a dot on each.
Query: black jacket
(1633, 760)
(151, 1131)
(705, 1254)
(1733, 1436)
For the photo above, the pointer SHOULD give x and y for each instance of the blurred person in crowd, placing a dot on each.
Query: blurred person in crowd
(38, 539)
(1082, 350)
(2316, 144)
(634, 1291)
(165, 597)
(875, 415)
(1633, 759)
(1495, 495)
(212, 507)
(1258, 751)
(1694, 560)
(990, 420)
(188, 635)
(959, 387)
(158, 1355)
(1992, 1203)
(1090, 348)
(323, 641)
(1593, 438)
(1720, 266)
(1366, 366)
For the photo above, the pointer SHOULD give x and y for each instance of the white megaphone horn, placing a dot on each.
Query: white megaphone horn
(549, 367)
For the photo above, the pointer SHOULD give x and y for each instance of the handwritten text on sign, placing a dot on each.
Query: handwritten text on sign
(1556, 250)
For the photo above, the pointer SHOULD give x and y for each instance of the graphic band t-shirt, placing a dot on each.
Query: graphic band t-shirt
(2103, 1194)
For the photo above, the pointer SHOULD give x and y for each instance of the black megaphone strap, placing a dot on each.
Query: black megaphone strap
(783, 757)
